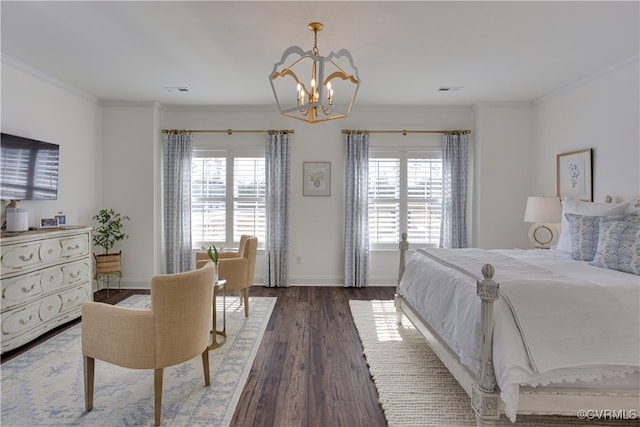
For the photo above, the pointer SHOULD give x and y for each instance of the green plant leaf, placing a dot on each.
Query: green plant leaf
(213, 254)
(109, 232)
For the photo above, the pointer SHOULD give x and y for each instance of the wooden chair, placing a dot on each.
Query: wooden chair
(237, 268)
(174, 330)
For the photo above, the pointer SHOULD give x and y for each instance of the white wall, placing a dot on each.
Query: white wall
(130, 185)
(600, 113)
(317, 223)
(503, 173)
(38, 109)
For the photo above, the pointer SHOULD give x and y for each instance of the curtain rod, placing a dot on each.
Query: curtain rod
(404, 132)
(227, 131)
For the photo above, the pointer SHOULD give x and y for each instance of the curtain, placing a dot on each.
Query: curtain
(356, 215)
(177, 155)
(453, 230)
(278, 182)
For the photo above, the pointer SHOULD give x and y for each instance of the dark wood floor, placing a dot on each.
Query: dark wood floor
(309, 370)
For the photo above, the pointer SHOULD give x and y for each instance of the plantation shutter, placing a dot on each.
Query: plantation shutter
(249, 197)
(208, 197)
(424, 200)
(384, 200)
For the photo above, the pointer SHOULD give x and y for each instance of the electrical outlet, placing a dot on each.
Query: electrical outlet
(298, 259)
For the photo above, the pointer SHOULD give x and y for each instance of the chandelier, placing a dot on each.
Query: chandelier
(314, 88)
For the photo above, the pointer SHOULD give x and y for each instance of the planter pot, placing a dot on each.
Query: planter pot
(108, 263)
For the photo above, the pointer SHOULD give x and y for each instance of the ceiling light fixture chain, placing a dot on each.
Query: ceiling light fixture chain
(325, 98)
(315, 27)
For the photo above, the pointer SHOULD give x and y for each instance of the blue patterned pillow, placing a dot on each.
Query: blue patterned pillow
(619, 243)
(584, 236)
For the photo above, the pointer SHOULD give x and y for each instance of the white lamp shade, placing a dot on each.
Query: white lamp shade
(542, 209)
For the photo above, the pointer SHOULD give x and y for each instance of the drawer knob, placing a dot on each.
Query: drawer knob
(73, 247)
(50, 251)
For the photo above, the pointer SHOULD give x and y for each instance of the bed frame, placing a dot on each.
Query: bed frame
(481, 386)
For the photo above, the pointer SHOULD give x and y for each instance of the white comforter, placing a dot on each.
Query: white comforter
(603, 343)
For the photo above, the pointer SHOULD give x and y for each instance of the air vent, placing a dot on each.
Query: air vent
(176, 89)
(450, 88)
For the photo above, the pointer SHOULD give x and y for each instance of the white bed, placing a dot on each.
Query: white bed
(573, 344)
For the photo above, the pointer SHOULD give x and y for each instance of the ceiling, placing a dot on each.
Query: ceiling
(405, 51)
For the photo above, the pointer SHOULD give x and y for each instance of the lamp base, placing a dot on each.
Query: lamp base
(542, 236)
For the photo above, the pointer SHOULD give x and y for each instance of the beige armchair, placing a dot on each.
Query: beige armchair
(175, 329)
(237, 268)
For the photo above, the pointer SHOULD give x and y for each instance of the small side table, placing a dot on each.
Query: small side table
(108, 277)
(218, 287)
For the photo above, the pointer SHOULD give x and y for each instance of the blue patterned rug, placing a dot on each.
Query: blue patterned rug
(44, 386)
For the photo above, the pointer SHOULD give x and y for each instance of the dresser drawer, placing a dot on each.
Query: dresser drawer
(22, 257)
(41, 311)
(19, 257)
(75, 297)
(23, 319)
(75, 246)
(76, 272)
(22, 289)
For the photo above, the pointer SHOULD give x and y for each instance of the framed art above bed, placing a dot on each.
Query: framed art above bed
(574, 175)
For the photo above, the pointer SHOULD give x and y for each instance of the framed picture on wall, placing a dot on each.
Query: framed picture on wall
(316, 179)
(575, 179)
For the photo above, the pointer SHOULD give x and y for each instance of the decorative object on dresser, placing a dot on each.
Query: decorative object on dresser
(106, 235)
(49, 222)
(543, 211)
(46, 276)
(17, 218)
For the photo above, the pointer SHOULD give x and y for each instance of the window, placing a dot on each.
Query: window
(227, 196)
(405, 194)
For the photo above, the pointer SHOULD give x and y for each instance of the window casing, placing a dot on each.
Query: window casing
(405, 194)
(227, 196)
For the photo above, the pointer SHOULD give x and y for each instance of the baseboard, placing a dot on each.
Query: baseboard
(126, 283)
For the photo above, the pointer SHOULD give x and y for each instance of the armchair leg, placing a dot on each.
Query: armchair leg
(245, 293)
(205, 366)
(157, 380)
(89, 370)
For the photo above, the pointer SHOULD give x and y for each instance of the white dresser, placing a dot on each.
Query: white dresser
(46, 276)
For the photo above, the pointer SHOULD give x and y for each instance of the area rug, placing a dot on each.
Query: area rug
(414, 387)
(44, 386)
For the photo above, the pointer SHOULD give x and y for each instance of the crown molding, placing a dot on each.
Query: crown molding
(27, 69)
(587, 79)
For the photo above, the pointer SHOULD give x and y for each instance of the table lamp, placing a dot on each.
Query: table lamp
(543, 211)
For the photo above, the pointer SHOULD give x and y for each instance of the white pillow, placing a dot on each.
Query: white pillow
(634, 206)
(584, 208)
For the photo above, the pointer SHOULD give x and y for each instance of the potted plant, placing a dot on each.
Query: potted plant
(213, 254)
(106, 235)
